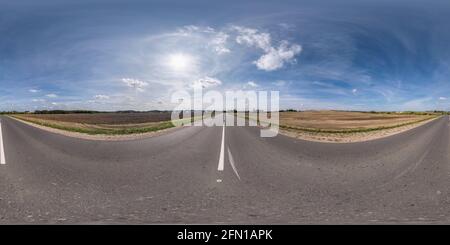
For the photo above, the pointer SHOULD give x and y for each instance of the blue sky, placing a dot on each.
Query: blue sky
(118, 55)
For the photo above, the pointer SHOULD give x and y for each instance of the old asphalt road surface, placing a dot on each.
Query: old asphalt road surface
(223, 175)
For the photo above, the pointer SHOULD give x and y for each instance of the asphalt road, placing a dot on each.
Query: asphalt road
(177, 178)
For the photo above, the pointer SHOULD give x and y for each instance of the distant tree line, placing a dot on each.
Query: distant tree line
(88, 111)
(63, 112)
(289, 110)
(235, 111)
(12, 112)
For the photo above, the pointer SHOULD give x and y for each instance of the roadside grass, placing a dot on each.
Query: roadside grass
(104, 129)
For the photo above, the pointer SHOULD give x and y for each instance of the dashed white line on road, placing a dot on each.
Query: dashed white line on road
(2, 151)
(230, 156)
(222, 149)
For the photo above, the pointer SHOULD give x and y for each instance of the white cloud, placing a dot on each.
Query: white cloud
(217, 40)
(33, 90)
(274, 57)
(277, 57)
(218, 43)
(135, 83)
(252, 84)
(253, 37)
(206, 82)
(38, 100)
(280, 83)
(442, 98)
(286, 26)
(101, 97)
(189, 29)
(51, 95)
(354, 91)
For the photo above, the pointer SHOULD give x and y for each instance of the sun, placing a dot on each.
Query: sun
(180, 62)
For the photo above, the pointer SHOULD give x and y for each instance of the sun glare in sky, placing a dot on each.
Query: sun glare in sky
(180, 62)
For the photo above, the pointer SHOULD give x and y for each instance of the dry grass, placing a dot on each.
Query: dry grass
(346, 121)
(103, 123)
(343, 126)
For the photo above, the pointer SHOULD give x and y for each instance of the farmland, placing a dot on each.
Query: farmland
(330, 126)
(113, 118)
(344, 126)
(343, 121)
(102, 123)
(347, 126)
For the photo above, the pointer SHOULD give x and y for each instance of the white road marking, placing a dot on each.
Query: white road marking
(230, 156)
(2, 151)
(222, 149)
